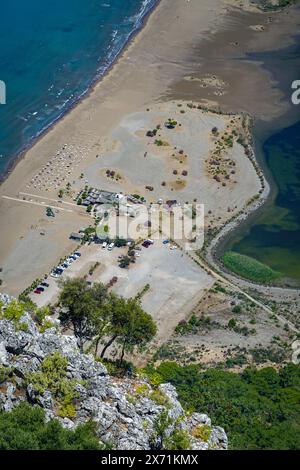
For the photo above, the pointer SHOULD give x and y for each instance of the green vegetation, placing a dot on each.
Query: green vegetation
(272, 354)
(202, 432)
(161, 143)
(237, 309)
(268, 5)
(25, 428)
(13, 312)
(177, 440)
(125, 261)
(40, 316)
(259, 409)
(53, 377)
(194, 325)
(96, 315)
(249, 268)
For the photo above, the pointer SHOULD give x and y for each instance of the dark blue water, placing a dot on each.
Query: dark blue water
(50, 52)
(275, 238)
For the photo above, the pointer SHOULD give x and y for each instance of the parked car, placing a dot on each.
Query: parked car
(110, 247)
(104, 244)
(44, 284)
(77, 254)
(37, 291)
(54, 274)
(40, 288)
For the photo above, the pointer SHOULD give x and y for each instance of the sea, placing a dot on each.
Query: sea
(51, 51)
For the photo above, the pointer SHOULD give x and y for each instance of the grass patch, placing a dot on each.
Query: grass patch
(249, 268)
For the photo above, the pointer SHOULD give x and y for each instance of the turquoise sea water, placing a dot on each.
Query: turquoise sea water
(50, 52)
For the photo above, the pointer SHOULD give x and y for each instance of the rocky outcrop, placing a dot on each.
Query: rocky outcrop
(126, 410)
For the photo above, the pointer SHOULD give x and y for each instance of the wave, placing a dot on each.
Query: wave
(54, 112)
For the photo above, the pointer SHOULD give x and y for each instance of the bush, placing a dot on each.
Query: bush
(202, 432)
(53, 377)
(237, 309)
(178, 440)
(25, 428)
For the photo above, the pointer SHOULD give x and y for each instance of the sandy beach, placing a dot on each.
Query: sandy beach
(174, 57)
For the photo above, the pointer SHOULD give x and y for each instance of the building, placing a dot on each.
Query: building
(76, 236)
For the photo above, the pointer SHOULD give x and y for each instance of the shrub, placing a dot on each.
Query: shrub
(237, 309)
(53, 377)
(13, 311)
(178, 440)
(25, 428)
(232, 323)
(202, 432)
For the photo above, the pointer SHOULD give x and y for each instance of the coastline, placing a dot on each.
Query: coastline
(85, 94)
(262, 131)
(148, 71)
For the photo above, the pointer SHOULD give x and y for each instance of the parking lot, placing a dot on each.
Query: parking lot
(176, 282)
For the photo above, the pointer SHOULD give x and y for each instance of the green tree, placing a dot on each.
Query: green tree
(130, 325)
(80, 304)
(259, 409)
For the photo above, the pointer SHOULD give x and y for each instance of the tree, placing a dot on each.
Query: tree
(80, 304)
(25, 428)
(130, 325)
(120, 242)
(259, 409)
(124, 261)
(101, 319)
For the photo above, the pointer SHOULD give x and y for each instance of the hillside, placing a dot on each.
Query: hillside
(47, 371)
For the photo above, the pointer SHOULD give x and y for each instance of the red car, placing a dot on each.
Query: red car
(37, 291)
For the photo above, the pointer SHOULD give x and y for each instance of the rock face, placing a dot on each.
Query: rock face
(126, 411)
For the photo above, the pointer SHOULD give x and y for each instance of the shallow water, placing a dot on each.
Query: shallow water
(274, 239)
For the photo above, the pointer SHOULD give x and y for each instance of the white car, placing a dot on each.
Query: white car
(173, 247)
(104, 244)
(110, 247)
(54, 275)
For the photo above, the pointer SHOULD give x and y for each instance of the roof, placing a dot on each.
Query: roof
(77, 235)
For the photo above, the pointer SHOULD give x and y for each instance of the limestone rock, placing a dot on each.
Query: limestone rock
(125, 419)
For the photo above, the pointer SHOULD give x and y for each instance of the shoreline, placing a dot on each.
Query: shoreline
(261, 132)
(15, 159)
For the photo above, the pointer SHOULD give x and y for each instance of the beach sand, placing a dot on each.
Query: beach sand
(181, 39)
